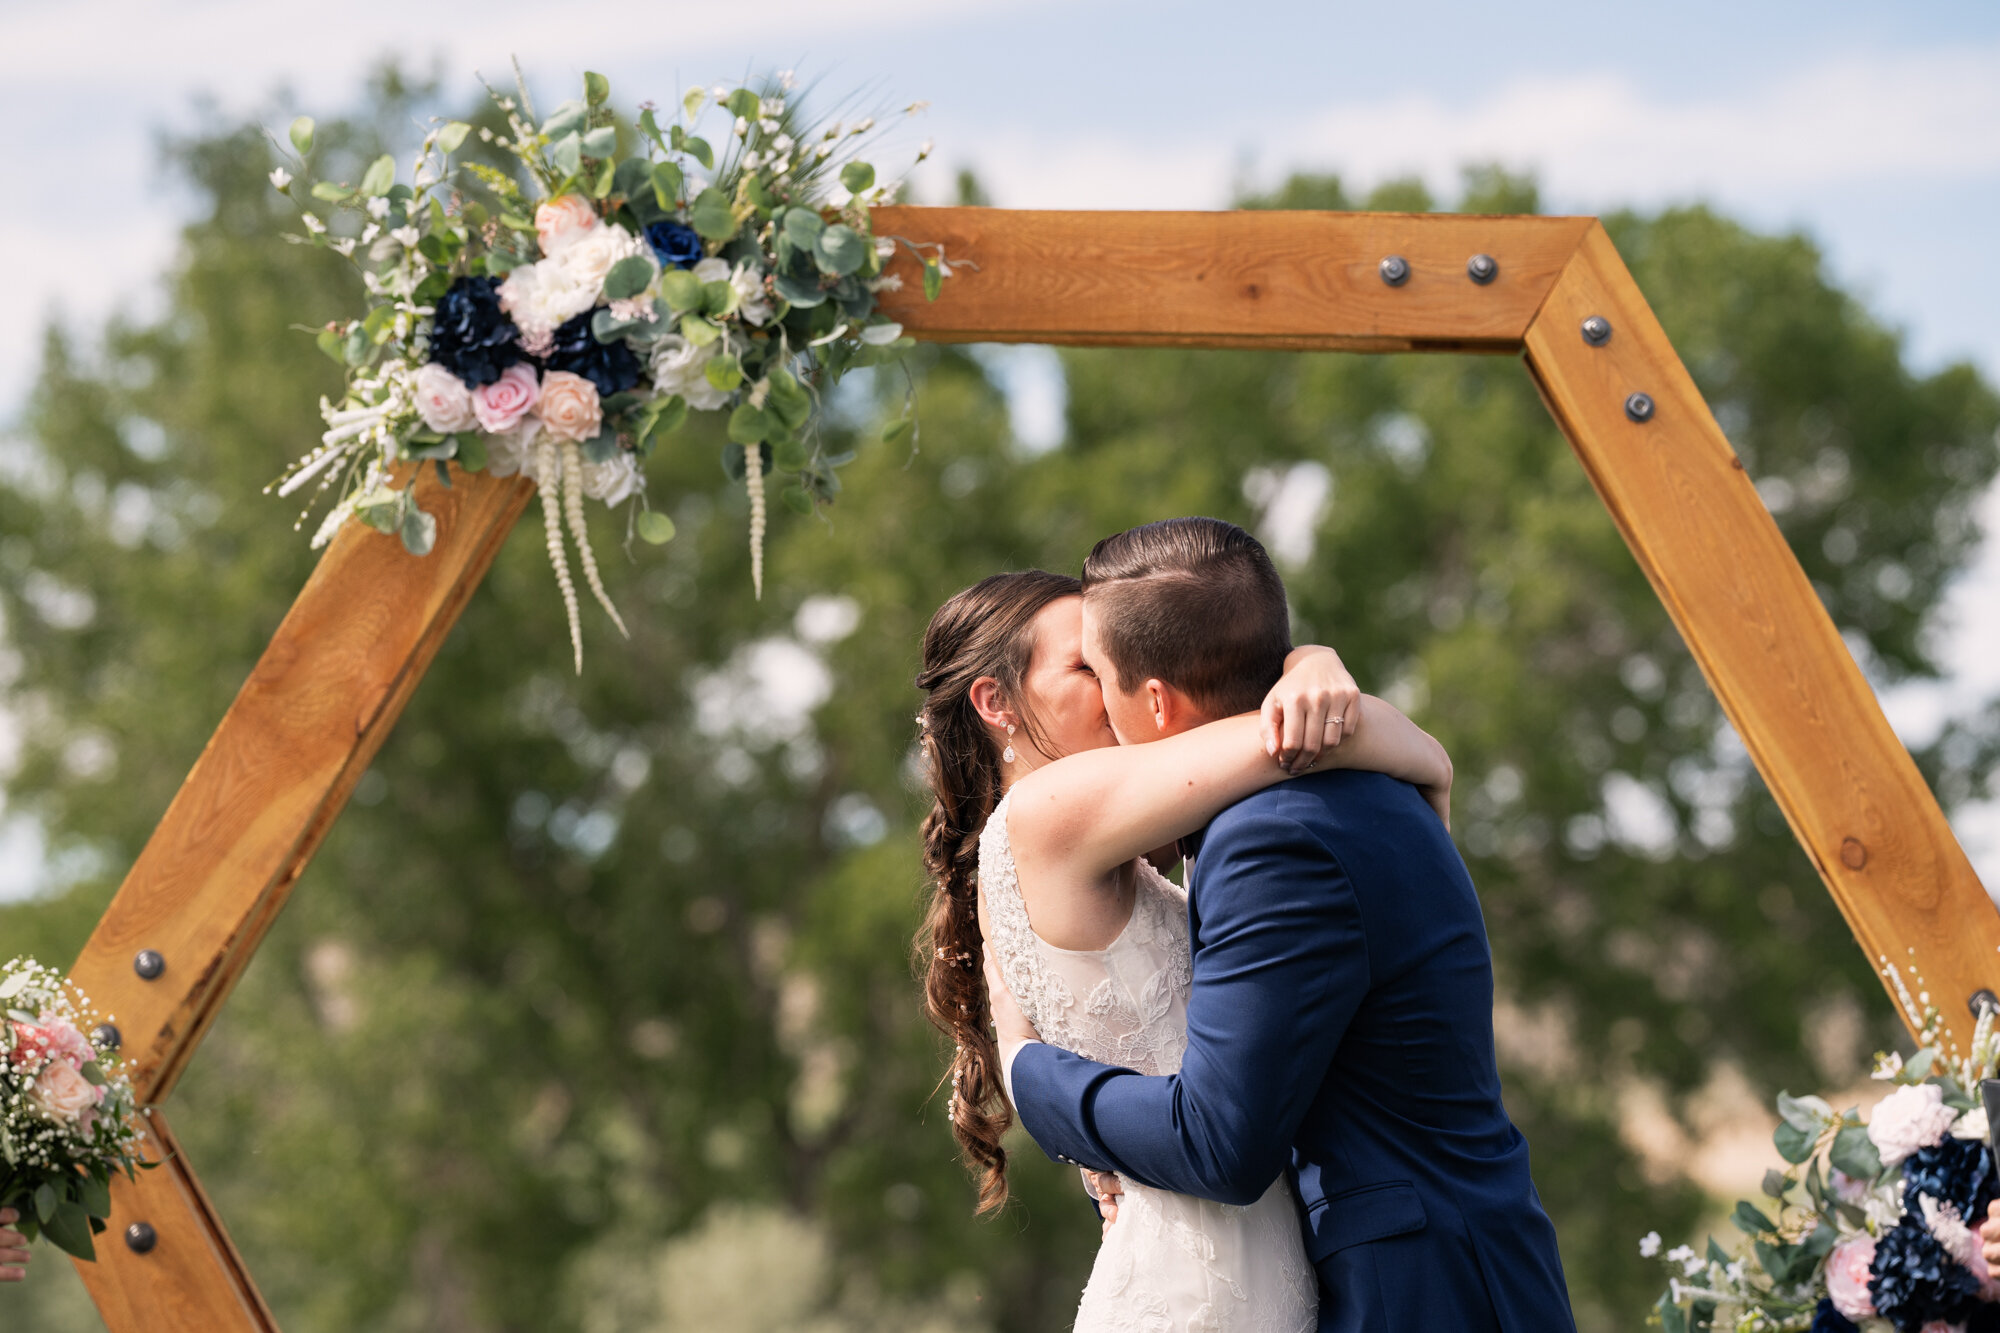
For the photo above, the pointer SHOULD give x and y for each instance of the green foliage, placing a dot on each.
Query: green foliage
(593, 972)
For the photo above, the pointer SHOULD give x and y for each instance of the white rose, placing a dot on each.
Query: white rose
(590, 257)
(751, 301)
(712, 270)
(612, 481)
(679, 366)
(1909, 1118)
(541, 296)
(511, 451)
(443, 400)
(63, 1093)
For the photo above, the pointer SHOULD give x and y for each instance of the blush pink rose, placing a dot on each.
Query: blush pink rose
(443, 401)
(51, 1038)
(1847, 1278)
(501, 405)
(569, 408)
(64, 1094)
(563, 220)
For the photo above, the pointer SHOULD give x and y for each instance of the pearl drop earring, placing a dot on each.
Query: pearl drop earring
(1007, 755)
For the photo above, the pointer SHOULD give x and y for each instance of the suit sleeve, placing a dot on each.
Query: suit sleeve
(1280, 967)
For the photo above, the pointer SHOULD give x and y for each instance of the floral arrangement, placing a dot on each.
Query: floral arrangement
(1869, 1226)
(66, 1114)
(560, 317)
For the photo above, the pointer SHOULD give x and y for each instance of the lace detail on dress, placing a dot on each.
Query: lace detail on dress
(1172, 1263)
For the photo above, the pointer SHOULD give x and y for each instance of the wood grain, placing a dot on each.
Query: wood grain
(1243, 278)
(193, 1280)
(1692, 516)
(267, 787)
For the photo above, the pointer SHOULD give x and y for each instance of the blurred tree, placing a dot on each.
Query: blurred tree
(598, 996)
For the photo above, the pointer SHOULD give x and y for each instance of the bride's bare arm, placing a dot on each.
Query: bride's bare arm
(1091, 812)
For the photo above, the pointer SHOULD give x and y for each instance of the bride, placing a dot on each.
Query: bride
(1091, 938)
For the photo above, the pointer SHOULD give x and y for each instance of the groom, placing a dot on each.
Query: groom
(1341, 1020)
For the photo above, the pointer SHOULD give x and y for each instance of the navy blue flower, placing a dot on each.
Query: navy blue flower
(677, 244)
(610, 366)
(471, 335)
(1957, 1171)
(1826, 1319)
(1983, 1319)
(1914, 1281)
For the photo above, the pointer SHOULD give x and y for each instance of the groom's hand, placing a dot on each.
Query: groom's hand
(13, 1248)
(1108, 1190)
(1989, 1232)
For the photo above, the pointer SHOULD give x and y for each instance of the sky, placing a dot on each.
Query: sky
(1873, 128)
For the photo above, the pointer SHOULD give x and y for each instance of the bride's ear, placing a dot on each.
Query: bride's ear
(990, 703)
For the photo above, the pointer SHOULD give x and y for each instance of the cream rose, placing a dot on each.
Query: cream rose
(680, 366)
(541, 296)
(563, 221)
(569, 408)
(1909, 1118)
(611, 481)
(443, 400)
(501, 404)
(64, 1094)
(512, 451)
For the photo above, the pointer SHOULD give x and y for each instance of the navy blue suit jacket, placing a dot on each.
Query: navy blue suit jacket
(1341, 1025)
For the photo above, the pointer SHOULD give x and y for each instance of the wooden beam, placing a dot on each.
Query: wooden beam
(1247, 278)
(1692, 516)
(267, 787)
(192, 1280)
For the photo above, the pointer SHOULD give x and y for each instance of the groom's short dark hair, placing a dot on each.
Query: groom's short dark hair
(1194, 602)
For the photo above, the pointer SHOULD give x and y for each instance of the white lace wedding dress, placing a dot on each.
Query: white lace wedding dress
(1171, 1263)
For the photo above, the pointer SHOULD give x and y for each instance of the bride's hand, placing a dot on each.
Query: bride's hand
(1311, 709)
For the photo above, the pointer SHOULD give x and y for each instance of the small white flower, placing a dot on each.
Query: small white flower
(369, 233)
(1649, 1244)
(765, 125)
(313, 224)
(924, 150)
(742, 127)
(1888, 1067)
(914, 107)
(782, 144)
(378, 207)
(787, 79)
(1735, 1271)
(407, 237)
(1972, 1125)
(280, 177)
(485, 134)
(865, 124)
(344, 247)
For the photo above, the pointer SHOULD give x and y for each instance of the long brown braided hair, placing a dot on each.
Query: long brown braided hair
(986, 630)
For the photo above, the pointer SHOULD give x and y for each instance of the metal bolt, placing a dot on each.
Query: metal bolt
(140, 1238)
(1482, 269)
(1597, 330)
(1639, 407)
(1983, 1001)
(106, 1037)
(1395, 270)
(149, 964)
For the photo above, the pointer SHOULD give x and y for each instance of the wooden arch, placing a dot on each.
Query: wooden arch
(346, 658)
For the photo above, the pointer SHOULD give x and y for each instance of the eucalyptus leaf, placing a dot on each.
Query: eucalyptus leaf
(748, 425)
(698, 149)
(798, 292)
(712, 216)
(898, 430)
(331, 192)
(1751, 1221)
(802, 227)
(601, 142)
(1919, 1065)
(718, 298)
(302, 136)
(667, 182)
(569, 118)
(600, 184)
(1854, 1154)
(596, 88)
(1776, 1183)
(603, 447)
(628, 277)
(1807, 1113)
(1793, 1143)
(650, 127)
(45, 1202)
(933, 280)
(567, 154)
(744, 103)
(698, 330)
(472, 452)
(419, 531)
(680, 289)
(840, 249)
(724, 372)
(798, 498)
(93, 1074)
(655, 527)
(452, 136)
(381, 174)
(857, 176)
(789, 453)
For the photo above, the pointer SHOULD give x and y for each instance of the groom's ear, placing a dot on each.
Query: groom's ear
(1166, 705)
